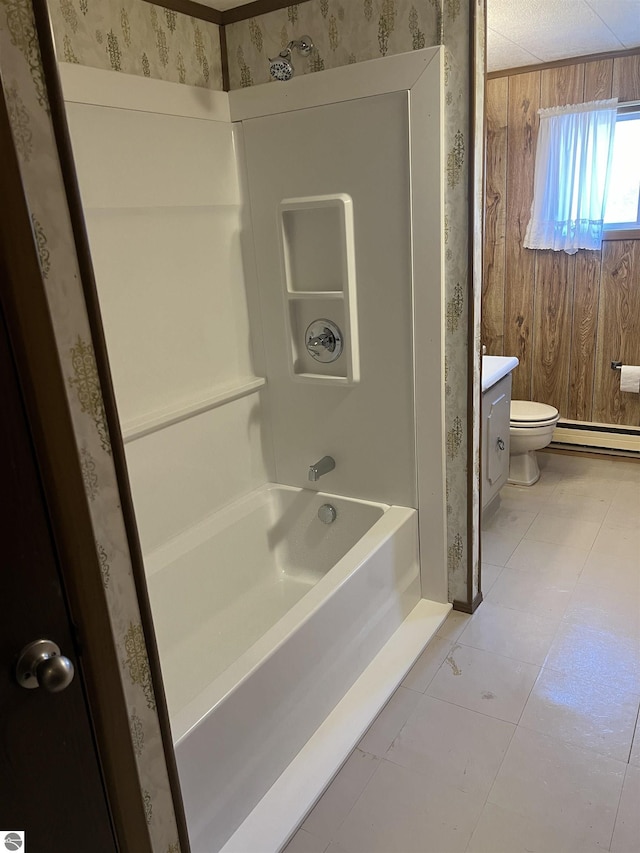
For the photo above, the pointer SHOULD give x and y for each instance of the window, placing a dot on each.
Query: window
(623, 199)
(573, 158)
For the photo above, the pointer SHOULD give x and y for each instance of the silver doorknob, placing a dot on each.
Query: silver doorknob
(40, 664)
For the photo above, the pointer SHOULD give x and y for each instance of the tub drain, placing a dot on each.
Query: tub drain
(327, 513)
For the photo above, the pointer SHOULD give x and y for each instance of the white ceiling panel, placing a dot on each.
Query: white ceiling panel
(622, 17)
(553, 44)
(541, 25)
(559, 29)
(503, 53)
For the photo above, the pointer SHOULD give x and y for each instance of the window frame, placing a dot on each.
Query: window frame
(615, 231)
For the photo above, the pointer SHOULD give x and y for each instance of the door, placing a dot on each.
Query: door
(50, 780)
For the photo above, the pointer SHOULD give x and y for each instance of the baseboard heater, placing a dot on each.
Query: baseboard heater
(594, 437)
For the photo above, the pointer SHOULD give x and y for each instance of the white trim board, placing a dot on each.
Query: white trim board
(84, 85)
(278, 814)
(362, 80)
(426, 161)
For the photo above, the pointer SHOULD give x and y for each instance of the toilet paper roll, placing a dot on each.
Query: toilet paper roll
(630, 378)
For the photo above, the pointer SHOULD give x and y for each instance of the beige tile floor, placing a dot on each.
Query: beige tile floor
(514, 731)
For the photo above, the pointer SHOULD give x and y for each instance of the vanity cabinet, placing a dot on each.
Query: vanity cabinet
(496, 405)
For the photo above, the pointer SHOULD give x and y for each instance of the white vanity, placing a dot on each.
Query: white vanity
(496, 405)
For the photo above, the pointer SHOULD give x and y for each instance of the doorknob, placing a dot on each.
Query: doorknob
(500, 444)
(40, 664)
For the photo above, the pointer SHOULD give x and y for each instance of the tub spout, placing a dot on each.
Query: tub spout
(326, 464)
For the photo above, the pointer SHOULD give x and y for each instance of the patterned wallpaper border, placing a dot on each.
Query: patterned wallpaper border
(138, 38)
(343, 33)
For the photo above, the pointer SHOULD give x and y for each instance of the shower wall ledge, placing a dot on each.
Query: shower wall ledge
(84, 85)
(172, 415)
(375, 77)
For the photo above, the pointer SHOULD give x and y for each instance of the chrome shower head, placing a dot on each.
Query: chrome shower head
(281, 67)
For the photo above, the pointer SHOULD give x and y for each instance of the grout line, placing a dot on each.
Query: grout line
(492, 786)
(475, 711)
(636, 732)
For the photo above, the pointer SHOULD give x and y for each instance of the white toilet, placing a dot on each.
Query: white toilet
(531, 429)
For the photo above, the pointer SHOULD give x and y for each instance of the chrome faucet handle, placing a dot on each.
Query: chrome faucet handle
(323, 341)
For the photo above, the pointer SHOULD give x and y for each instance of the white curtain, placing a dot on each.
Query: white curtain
(573, 160)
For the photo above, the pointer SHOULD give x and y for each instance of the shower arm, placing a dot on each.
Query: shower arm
(303, 45)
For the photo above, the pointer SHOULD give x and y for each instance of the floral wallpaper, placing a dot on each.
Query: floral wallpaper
(348, 31)
(138, 38)
(343, 32)
(22, 79)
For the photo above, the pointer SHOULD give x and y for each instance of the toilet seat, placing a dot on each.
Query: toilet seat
(531, 429)
(527, 415)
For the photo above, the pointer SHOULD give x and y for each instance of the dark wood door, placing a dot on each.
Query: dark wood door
(50, 781)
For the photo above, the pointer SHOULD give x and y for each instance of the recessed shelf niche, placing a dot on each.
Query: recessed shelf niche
(318, 261)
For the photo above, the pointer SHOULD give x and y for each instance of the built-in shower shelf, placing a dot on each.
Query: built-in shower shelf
(315, 294)
(319, 265)
(154, 421)
(323, 380)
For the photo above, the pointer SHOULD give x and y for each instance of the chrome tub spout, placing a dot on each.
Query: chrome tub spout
(326, 464)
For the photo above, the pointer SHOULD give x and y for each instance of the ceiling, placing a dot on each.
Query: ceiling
(527, 32)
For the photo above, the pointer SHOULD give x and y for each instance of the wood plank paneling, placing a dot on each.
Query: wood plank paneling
(626, 78)
(584, 326)
(496, 105)
(551, 339)
(598, 78)
(619, 332)
(559, 86)
(555, 275)
(524, 100)
(563, 315)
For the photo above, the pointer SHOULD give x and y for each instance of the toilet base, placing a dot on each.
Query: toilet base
(523, 469)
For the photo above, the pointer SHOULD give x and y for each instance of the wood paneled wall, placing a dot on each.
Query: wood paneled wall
(566, 317)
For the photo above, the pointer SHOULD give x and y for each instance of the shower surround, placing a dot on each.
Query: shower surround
(344, 33)
(205, 432)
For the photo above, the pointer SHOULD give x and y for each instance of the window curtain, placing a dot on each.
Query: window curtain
(573, 162)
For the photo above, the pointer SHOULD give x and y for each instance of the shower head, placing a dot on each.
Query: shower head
(281, 67)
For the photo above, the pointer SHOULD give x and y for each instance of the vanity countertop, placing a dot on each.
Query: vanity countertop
(494, 367)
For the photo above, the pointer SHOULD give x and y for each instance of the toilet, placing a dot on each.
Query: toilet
(531, 429)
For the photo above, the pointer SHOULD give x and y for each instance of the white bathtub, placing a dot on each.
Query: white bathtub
(264, 618)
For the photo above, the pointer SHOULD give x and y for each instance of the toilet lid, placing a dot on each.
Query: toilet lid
(524, 411)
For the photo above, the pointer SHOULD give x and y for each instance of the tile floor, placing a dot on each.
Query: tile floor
(514, 731)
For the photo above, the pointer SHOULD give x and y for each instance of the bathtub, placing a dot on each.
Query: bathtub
(265, 616)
